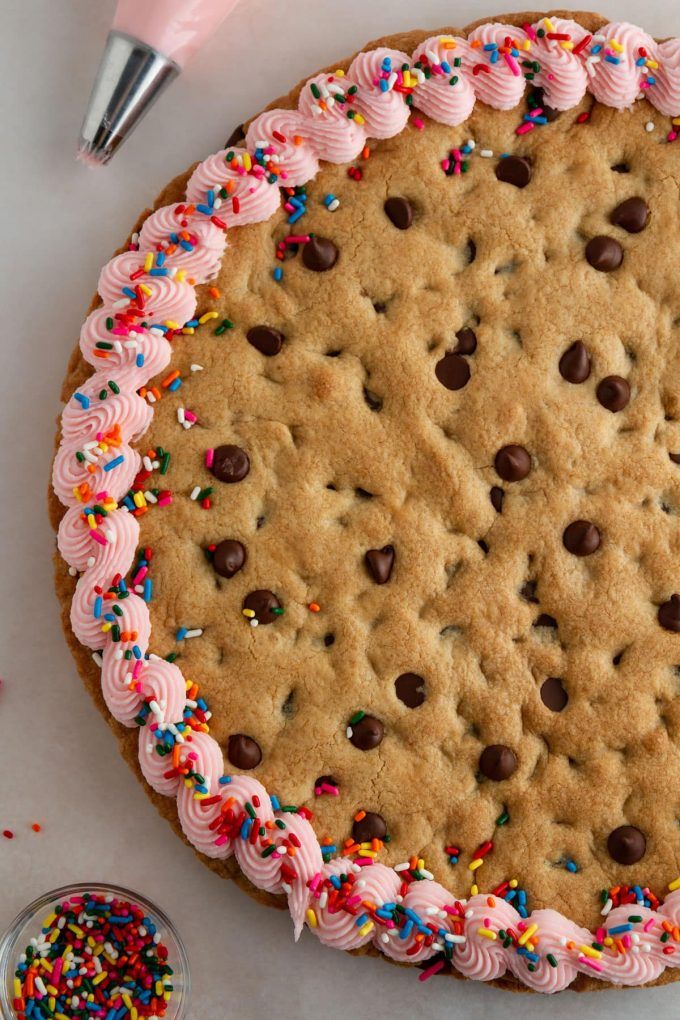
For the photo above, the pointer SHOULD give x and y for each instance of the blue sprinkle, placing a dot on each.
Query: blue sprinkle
(335, 882)
(174, 385)
(406, 930)
(521, 896)
(640, 62)
(122, 585)
(490, 46)
(246, 827)
(276, 805)
(294, 217)
(137, 651)
(82, 400)
(187, 245)
(596, 49)
(202, 705)
(114, 463)
(160, 258)
(224, 780)
(205, 209)
(361, 920)
(129, 292)
(620, 929)
(191, 323)
(612, 60)
(572, 866)
(651, 81)
(278, 274)
(181, 633)
(510, 895)
(139, 360)
(386, 64)
(98, 607)
(328, 199)
(495, 56)
(211, 196)
(383, 85)
(446, 67)
(522, 910)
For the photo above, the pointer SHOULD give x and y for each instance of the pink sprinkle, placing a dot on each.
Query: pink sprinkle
(446, 163)
(627, 941)
(418, 123)
(221, 840)
(537, 112)
(165, 501)
(363, 862)
(353, 900)
(525, 128)
(209, 455)
(314, 882)
(296, 239)
(137, 669)
(98, 537)
(140, 575)
(600, 935)
(649, 924)
(333, 791)
(591, 963)
(457, 155)
(190, 416)
(512, 64)
(431, 971)
(672, 135)
(456, 910)
(289, 207)
(530, 31)
(551, 77)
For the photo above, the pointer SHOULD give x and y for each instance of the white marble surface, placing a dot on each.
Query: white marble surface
(60, 765)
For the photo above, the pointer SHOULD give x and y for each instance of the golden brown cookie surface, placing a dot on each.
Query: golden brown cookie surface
(465, 468)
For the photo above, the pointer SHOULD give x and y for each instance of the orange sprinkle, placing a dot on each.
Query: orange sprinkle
(490, 902)
(170, 378)
(297, 139)
(36, 827)
(214, 292)
(365, 152)
(314, 607)
(359, 815)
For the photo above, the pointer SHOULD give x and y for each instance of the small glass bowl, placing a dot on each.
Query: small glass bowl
(29, 923)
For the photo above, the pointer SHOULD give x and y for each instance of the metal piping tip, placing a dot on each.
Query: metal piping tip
(130, 79)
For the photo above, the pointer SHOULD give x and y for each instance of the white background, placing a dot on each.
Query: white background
(59, 763)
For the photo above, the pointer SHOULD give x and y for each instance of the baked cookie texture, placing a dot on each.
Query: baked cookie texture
(471, 400)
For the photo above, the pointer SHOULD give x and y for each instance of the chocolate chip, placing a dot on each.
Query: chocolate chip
(329, 639)
(452, 371)
(553, 694)
(319, 254)
(528, 591)
(371, 826)
(613, 392)
(575, 363)
(512, 463)
(265, 339)
(549, 112)
(626, 845)
(515, 170)
(669, 614)
(497, 495)
(675, 457)
(581, 538)
(243, 752)
(237, 135)
(621, 168)
(230, 464)
(631, 215)
(409, 689)
(467, 341)
(545, 620)
(399, 212)
(380, 563)
(604, 253)
(367, 733)
(228, 557)
(262, 602)
(497, 762)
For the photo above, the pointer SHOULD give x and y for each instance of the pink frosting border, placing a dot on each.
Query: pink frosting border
(335, 115)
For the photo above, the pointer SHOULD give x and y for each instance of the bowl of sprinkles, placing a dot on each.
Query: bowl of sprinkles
(95, 951)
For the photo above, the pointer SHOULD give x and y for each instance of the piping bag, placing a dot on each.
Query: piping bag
(147, 47)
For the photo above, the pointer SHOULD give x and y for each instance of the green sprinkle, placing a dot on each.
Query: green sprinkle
(204, 493)
(351, 91)
(279, 824)
(171, 657)
(665, 937)
(102, 345)
(165, 463)
(503, 819)
(115, 632)
(454, 80)
(109, 323)
(457, 62)
(103, 394)
(113, 386)
(250, 809)
(80, 457)
(357, 717)
(117, 610)
(551, 960)
(635, 919)
(279, 611)
(269, 850)
(315, 91)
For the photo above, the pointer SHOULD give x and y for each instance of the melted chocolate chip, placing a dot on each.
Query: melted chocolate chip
(265, 339)
(515, 170)
(512, 463)
(626, 845)
(621, 168)
(243, 752)
(319, 254)
(497, 495)
(575, 363)
(371, 826)
(497, 762)
(262, 602)
(237, 135)
(528, 592)
(545, 620)
(399, 212)
(467, 341)
(581, 538)
(553, 694)
(409, 689)
(228, 557)
(668, 614)
(631, 215)
(373, 400)
(230, 464)
(452, 371)
(604, 253)
(367, 733)
(549, 112)
(613, 392)
(675, 457)
(379, 563)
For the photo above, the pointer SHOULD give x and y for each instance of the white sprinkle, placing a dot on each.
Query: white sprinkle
(348, 732)
(180, 415)
(607, 907)
(469, 913)
(150, 397)
(486, 153)
(458, 939)
(195, 491)
(187, 424)
(194, 633)
(649, 126)
(471, 143)
(402, 867)
(72, 571)
(121, 304)
(384, 937)
(254, 622)
(335, 204)
(197, 368)
(426, 873)
(146, 461)
(90, 561)
(149, 497)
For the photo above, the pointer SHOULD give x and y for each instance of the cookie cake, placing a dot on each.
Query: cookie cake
(367, 491)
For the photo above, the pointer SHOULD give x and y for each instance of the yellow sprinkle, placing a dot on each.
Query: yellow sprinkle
(477, 863)
(369, 853)
(166, 996)
(589, 951)
(99, 978)
(134, 1015)
(138, 499)
(145, 289)
(77, 495)
(207, 316)
(92, 523)
(250, 613)
(60, 1016)
(653, 64)
(548, 24)
(181, 275)
(339, 73)
(311, 918)
(447, 42)
(526, 45)
(487, 933)
(247, 161)
(148, 262)
(609, 941)
(49, 921)
(566, 44)
(676, 123)
(526, 935)
(170, 322)
(98, 951)
(52, 990)
(17, 988)
(407, 79)
(474, 889)
(127, 1000)
(106, 627)
(421, 863)
(159, 988)
(675, 884)
(513, 883)
(188, 330)
(52, 1000)
(359, 119)
(365, 928)
(616, 45)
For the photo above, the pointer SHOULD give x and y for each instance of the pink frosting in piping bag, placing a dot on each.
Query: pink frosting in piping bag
(215, 820)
